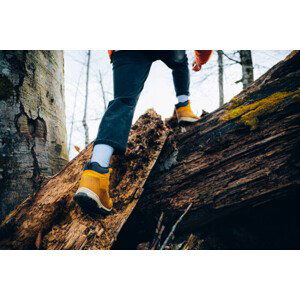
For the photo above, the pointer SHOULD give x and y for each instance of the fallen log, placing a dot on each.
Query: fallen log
(244, 154)
(50, 219)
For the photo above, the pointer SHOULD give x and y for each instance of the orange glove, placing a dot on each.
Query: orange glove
(197, 64)
(201, 58)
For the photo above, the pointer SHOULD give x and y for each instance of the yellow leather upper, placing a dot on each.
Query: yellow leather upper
(186, 111)
(99, 184)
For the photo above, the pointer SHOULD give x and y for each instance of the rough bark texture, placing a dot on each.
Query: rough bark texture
(247, 67)
(32, 122)
(220, 77)
(242, 158)
(51, 220)
(242, 155)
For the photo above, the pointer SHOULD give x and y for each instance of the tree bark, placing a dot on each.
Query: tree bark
(247, 67)
(50, 219)
(84, 123)
(220, 77)
(32, 122)
(242, 155)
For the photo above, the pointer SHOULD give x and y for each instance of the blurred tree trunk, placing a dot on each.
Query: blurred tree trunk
(221, 77)
(84, 123)
(32, 122)
(247, 67)
(102, 90)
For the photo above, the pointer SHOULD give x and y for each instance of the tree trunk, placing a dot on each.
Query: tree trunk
(220, 77)
(84, 123)
(73, 115)
(247, 67)
(51, 220)
(32, 122)
(102, 90)
(241, 156)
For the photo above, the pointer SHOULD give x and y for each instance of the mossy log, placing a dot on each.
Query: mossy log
(245, 154)
(226, 163)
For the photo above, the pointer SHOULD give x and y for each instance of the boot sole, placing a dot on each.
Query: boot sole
(187, 122)
(89, 205)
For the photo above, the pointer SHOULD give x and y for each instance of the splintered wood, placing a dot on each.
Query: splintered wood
(50, 219)
(242, 155)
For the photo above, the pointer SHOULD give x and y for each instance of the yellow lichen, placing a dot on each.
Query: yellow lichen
(249, 113)
(235, 102)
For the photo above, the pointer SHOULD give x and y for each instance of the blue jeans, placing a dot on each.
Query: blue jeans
(130, 71)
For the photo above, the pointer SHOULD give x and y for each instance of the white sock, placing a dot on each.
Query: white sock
(102, 154)
(183, 98)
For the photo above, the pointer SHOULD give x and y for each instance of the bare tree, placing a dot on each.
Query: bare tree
(84, 123)
(247, 67)
(73, 113)
(221, 77)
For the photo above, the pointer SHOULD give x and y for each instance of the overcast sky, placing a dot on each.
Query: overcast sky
(158, 92)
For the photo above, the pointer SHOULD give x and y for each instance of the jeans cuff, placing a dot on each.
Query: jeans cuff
(179, 93)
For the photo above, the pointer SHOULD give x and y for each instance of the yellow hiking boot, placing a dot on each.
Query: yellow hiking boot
(93, 192)
(184, 113)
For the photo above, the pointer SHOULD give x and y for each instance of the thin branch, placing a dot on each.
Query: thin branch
(204, 78)
(102, 90)
(239, 81)
(73, 113)
(236, 61)
(158, 232)
(75, 59)
(260, 66)
(174, 227)
(157, 244)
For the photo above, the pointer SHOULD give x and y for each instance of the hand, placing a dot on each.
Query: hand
(196, 66)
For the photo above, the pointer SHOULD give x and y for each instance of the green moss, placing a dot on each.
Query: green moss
(248, 114)
(6, 88)
(235, 102)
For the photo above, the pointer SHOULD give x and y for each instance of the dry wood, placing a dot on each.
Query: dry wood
(158, 232)
(193, 243)
(51, 220)
(243, 154)
(174, 227)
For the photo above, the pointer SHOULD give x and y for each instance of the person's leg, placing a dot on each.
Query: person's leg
(130, 70)
(177, 61)
(182, 98)
(102, 154)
